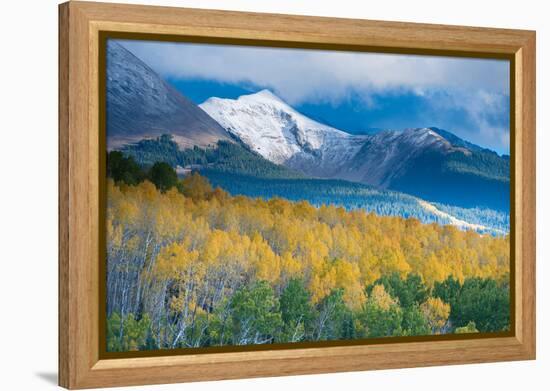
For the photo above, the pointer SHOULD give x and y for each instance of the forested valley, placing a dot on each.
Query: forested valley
(189, 265)
(240, 171)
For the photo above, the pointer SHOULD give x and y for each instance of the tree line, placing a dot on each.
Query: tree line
(225, 156)
(353, 195)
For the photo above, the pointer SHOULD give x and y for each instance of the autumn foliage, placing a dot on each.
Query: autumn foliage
(192, 266)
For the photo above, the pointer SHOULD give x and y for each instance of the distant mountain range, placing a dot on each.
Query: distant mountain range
(262, 136)
(429, 162)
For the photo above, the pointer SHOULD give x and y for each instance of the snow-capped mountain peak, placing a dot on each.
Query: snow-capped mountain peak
(425, 137)
(262, 95)
(279, 133)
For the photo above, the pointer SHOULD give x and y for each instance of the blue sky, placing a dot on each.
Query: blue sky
(351, 91)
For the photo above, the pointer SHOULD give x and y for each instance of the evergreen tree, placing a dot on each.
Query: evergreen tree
(296, 311)
(255, 314)
(163, 176)
(123, 169)
(485, 302)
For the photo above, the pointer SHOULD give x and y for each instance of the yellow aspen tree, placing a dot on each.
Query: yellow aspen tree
(381, 298)
(348, 277)
(436, 312)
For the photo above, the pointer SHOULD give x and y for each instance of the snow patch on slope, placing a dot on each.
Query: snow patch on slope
(461, 224)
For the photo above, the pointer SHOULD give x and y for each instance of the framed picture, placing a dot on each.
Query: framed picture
(247, 195)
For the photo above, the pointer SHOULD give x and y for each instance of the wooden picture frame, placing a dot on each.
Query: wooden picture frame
(80, 27)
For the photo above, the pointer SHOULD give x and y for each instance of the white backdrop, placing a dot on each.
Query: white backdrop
(28, 206)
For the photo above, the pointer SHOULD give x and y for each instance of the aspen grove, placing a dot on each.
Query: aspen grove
(192, 266)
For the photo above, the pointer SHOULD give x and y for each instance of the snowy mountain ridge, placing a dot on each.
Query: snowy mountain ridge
(431, 163)
(279, 133)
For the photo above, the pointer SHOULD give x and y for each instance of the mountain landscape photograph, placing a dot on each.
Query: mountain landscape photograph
(260, 195)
